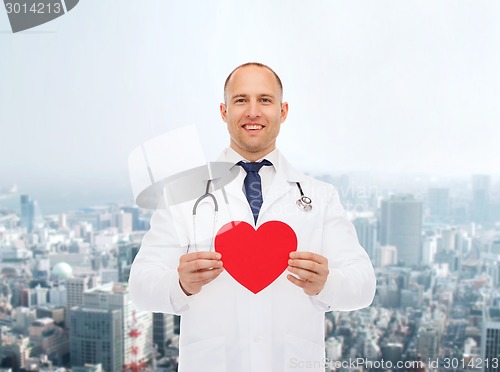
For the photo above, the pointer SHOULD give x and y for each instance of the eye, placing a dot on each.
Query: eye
(239, 100)
(265, 100)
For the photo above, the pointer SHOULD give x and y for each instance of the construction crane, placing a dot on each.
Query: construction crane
(135, 365)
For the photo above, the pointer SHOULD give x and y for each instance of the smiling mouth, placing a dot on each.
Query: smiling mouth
(253, 126)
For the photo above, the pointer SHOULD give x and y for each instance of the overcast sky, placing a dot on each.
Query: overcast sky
(396, 86)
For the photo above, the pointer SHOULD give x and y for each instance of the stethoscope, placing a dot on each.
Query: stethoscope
(304, 203)
(209, 195)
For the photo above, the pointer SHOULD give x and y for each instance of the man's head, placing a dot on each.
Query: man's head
(256, 64)
(253, 109)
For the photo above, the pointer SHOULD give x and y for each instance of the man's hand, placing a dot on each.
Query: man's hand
(311, 268)
(197, 269)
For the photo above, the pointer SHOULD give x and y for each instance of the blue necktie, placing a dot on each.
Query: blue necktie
(253, 185)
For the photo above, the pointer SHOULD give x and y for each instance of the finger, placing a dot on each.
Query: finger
(202, 276)
(310, 288)
(298, 282)
(200, 265)
(200, 256)
(201, 283)
(319, 269)
(304, 275)
(309, 256)
(305, 264)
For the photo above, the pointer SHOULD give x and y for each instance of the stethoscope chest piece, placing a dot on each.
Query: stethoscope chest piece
(304, 203)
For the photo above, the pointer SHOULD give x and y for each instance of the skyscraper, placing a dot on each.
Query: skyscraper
(438, 201)
(96, 336)
(490, 337)
(163, 331)
(30, 213)
(76, 286)
(366, 228)
(480, 198)
(134, 211)
(401, 226)
(126, 255)
(74, 291)
(427, 343)
(111, 296)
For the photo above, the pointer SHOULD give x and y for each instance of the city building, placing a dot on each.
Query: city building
(123, 221)
(134, 212)
(58, 295)
(163, 332)
(31, 216)
(46, 338)
(54, 312)
(366, 228)
(401, 226)
(429, 249)
(438, 202)
(490, 336)
(126, 255)
(427, 343)
(333, 346)
(16, 351)
(96, 336)
(77, 285)
(392, 351)
(386, 256)
(481, 185)
(116, 296)
(23, 318)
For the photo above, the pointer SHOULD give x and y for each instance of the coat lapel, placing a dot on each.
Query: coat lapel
(237, 204)
(279, 187)
(285, 178)
(234, 190)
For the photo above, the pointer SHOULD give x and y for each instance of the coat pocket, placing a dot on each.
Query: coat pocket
(206, 355)
(301, 354)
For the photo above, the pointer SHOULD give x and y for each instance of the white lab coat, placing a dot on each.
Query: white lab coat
(225, 327)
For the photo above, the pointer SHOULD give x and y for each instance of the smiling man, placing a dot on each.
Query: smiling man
(253, 110)
(227, 323)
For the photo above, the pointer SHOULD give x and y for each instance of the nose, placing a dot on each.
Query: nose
(253, 110)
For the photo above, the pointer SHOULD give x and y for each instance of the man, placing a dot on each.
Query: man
(225, 324)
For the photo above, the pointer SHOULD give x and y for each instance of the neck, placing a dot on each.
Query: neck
(252, 156)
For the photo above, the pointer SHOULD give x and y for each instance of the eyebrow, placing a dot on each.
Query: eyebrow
(246, 95)
(239, 96)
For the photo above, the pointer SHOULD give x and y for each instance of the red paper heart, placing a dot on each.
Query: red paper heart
(255, 258)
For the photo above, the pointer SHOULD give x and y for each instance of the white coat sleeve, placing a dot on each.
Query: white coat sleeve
(154, 281)
(351, 281)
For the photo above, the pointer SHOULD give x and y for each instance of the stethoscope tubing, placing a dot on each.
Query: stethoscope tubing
(216, 212)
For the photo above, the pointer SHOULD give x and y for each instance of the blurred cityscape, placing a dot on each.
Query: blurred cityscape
(435, 244)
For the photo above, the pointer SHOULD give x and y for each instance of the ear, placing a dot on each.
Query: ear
(223, 112)
(284, 111)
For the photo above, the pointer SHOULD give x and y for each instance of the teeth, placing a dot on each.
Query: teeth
(255, 126)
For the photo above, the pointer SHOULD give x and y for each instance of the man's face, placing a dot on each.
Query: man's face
(253, 111)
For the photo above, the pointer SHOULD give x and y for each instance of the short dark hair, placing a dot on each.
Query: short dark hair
(258, 64)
